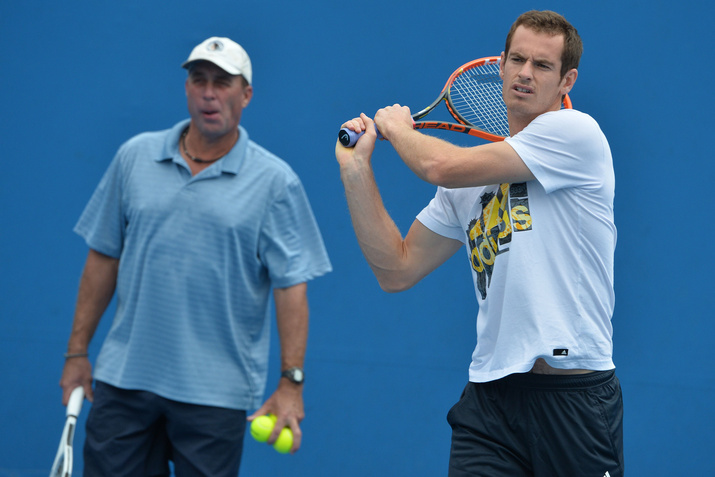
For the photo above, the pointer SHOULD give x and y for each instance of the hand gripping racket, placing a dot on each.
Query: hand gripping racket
(62, 467)
(473, 94)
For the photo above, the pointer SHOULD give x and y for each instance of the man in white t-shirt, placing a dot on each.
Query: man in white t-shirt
(535, 213)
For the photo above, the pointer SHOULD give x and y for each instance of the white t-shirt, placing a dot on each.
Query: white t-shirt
(541, 252)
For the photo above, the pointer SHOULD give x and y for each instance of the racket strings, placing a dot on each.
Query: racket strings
(476, 96)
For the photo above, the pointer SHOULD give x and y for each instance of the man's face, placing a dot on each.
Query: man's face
(531, 72)
(215, 99)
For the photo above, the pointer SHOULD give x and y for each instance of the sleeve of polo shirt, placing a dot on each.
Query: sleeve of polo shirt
(102, 223)
(291, 245)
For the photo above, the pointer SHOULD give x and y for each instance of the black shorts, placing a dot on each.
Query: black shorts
(539, 425)
(137, 433)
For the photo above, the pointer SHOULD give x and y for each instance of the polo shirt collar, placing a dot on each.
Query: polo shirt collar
(230, 163)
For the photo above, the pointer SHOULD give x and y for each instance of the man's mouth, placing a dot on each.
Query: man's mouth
(209, 113)
(521, 89)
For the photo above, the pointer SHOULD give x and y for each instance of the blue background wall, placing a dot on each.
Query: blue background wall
(79, 77)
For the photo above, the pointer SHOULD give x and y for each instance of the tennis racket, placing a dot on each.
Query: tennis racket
(473, 94)
(62, 467)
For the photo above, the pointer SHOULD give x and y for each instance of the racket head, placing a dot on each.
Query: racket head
(474, 97)
(473, 94)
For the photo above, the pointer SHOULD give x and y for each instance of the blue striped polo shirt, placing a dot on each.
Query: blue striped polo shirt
(199, 256)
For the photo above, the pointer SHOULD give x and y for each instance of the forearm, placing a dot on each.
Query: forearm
(287, 400)
(444, 164)
(379, 238)
(96, 289)
(430, 158)
(292, 324)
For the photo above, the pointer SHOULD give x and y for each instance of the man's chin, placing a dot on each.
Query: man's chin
(211, 128)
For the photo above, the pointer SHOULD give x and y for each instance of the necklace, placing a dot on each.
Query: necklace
(182, 140)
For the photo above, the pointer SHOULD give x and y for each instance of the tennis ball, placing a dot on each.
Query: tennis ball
(284, 441)
(262, 426)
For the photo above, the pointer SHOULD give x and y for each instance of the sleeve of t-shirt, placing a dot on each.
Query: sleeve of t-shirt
(563, 149)
(441, 217)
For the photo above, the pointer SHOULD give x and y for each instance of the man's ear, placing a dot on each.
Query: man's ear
(568, 81)
(247, 95)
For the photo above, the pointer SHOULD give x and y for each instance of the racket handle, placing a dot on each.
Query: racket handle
(74, 406)
(348, 137)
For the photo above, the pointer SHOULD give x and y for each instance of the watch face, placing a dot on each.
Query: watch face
(294, 374)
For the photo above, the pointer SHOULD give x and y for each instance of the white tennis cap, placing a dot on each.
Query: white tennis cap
(224, 53)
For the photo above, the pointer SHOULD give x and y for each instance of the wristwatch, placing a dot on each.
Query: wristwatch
(294, 374)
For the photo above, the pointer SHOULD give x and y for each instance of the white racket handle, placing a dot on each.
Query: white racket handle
(74, 406)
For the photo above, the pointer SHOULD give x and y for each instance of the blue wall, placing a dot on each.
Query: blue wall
(79, 77)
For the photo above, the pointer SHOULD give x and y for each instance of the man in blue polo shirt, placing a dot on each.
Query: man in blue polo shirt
(192, 227)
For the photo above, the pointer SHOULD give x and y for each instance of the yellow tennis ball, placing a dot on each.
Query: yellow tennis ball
(262, 426)
(284, 441)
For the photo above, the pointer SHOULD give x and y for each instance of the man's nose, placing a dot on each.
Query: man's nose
(527, 70)
(209, 91)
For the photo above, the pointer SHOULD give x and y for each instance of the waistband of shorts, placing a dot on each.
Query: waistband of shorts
(559, 381)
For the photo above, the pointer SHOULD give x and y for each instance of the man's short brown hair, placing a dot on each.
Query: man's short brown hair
(553, 24)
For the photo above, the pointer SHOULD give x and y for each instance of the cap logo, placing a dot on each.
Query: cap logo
(215, 46)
